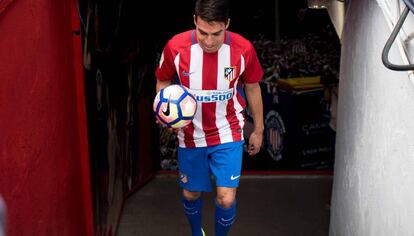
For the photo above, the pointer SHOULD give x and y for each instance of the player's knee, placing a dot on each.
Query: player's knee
(226, 200)
(191, 196)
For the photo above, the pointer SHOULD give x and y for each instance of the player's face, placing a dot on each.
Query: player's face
(210, 35)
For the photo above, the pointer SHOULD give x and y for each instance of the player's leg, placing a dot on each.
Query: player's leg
(193, 205)
(225, 164)
(194, 179)
(225, 210)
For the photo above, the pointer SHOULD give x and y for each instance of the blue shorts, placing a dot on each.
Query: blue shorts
(197, 165)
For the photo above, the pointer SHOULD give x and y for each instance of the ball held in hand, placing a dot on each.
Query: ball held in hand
(174, 106)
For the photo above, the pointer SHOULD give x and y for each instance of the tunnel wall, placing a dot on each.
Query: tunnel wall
(374, 163)
(44, 168)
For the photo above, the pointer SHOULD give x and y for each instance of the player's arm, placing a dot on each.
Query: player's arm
(254, 99)
(165, 71)
(161, 84)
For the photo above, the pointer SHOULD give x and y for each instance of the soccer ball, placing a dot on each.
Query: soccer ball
(175, 106)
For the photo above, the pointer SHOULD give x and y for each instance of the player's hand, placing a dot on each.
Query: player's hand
(255, 142)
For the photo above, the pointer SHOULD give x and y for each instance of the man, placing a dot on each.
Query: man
(214, 64)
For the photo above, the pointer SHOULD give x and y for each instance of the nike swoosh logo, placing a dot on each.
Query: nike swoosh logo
(167, 111)
(232, 177)
(232, 218)
(188, 208)
(187, 74)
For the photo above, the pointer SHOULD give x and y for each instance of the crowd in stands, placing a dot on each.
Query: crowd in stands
(301, 57)
(310, 55)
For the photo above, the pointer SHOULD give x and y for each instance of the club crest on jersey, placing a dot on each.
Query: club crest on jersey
(183, 178)
(230, 73)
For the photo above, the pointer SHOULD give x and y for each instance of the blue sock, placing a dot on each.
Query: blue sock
(193, 211)
(224, 219)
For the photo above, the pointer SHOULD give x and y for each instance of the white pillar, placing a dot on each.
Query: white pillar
(373, 187)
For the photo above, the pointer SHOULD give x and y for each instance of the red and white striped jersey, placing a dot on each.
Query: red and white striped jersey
(216, 81)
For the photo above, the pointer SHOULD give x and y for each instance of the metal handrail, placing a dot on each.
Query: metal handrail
(410, 4)
(391, 39)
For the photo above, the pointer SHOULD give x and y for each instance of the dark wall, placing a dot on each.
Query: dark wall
(120, 48)
(252, 19)
(297, 20)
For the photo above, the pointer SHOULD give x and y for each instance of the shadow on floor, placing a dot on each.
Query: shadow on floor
(266, 205)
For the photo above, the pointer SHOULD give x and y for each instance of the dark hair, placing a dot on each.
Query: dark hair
(212, 10)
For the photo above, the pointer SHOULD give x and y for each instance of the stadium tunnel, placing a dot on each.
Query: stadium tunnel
(130, 155)
(95, 85)
(122, 43)
(80, 153)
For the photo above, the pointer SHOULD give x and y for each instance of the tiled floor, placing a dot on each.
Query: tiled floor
(292, 205)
